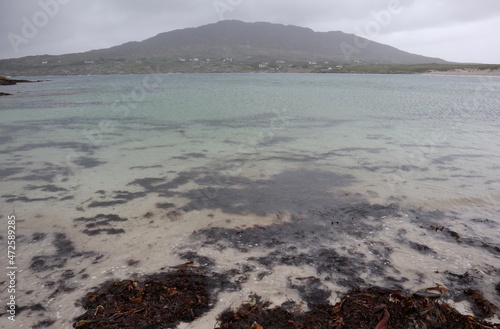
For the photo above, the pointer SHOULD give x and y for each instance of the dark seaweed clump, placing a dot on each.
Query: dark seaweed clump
(159, 301)
(374, 307)
(164, 300)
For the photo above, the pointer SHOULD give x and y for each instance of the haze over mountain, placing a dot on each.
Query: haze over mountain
(221, 47)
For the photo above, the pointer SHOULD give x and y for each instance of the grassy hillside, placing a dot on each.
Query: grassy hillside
(226, 46)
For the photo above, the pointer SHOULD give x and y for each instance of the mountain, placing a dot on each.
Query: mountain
(220, 47)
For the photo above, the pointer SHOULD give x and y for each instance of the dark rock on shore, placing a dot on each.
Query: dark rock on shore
(9, 82)
(6, 82)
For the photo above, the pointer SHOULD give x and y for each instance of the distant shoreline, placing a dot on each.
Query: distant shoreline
(152, 66)
(4, 81)
(468, 72)
(389, 70)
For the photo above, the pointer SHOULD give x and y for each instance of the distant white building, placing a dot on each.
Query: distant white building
(44, 62)
(263, 65)
(88, 62)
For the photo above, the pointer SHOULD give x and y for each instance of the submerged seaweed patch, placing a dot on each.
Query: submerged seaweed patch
(94, 224)
(64, 250)
(96, 204)
(119, 197)
(88, 162)
(57, 145)
(429, 219)
(447, 159)
(374, 150)
(47, 323)
(6, 172)
(274, 140)
(196, 155)
(309, 240)
(421, 248)
(127, 196)
(100, 220)
(34, 308)
(311, 290)
(252, 120)
(38, 236)
(47, 173)
(109, 231)
(162, 186)
(202, 260)
(46, 188)
(54, 272)
(342, 244)
(145, 167)
(287, 191)
(164, 205)
(23, 198)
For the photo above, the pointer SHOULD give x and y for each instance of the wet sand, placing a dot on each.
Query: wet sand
(348, 242)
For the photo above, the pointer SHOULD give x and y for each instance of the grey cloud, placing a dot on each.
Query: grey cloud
(427, 27)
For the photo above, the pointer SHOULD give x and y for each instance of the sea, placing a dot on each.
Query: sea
(353, 180)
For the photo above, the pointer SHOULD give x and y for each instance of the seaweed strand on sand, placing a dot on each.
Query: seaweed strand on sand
(187, 292)
(374, 307)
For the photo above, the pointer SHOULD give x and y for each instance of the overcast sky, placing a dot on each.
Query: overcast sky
(455, 30)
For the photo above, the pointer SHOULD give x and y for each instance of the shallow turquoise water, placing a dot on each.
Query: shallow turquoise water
(234, 150)
(445, 128)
